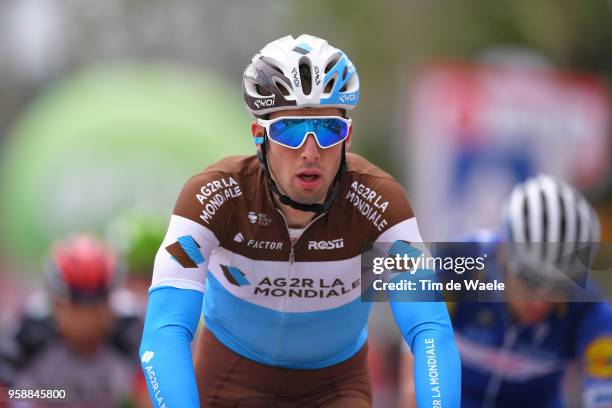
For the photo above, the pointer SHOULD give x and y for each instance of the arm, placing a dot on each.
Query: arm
(175, 300)
(422, 320)
(437, 368)
(171, 321)
(427, 329)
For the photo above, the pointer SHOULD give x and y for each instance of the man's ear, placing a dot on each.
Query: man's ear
(256, 129)
(347, 143)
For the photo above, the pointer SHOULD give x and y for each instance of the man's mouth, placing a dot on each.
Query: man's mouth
(309, 178)
(309, 175)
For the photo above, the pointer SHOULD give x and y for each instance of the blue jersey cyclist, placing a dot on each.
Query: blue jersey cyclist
(271, 246)
(515, 351)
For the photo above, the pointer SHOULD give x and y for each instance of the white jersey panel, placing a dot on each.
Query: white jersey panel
(282, 286)
(183, 256)
(407, 230)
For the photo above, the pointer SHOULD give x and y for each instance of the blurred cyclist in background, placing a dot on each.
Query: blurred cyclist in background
(77, 336)
(515, 351)
(137, 235)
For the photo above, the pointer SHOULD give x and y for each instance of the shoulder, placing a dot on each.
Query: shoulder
(374, 196)
(359, 168)
(32, 334)
(228, 172)
(239, 166)
(209, 192)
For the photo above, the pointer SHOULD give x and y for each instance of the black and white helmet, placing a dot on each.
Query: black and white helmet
(300, 72)
(547, 223)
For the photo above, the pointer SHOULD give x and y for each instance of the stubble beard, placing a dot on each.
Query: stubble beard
(307, 196)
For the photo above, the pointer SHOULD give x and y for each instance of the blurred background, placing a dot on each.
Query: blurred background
(106, 108)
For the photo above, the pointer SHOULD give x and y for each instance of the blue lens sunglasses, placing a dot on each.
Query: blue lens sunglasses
(291, 131)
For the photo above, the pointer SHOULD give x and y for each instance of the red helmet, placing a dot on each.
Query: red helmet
(82, 268)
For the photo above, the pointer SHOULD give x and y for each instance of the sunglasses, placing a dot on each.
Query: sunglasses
(291, 131)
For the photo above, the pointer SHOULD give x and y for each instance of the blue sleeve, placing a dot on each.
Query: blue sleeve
(594, 349)
(427, 329)
(165, 351)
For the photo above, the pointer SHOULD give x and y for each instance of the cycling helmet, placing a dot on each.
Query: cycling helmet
(549, 225)
(301, 72)
(81, 268)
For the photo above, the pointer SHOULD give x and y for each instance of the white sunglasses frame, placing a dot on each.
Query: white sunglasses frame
(266, 123)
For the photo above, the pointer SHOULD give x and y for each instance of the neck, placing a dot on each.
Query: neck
(295, 218)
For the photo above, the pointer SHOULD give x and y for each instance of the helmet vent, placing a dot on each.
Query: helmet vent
(282, 87)
(305, 75)
(545, 214)
(262, 91)
(332, 63)
(545, 229)
(344, 74)
(329, 86)
(526, 217)
(272, 64)
(562, 233)
(577, 222)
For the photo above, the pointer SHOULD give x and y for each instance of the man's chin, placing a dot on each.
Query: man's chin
(302, 198)
(309, 201)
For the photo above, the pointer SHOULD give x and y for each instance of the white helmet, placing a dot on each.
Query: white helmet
(299, 72)
(548, 224)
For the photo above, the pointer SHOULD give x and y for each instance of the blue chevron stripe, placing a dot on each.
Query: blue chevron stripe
(238, 276)
(191, 248)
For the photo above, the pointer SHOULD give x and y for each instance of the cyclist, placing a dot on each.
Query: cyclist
(77, 336)
(515, 351)
(274, 241)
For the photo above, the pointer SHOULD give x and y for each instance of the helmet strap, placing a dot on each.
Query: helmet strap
(285, 199)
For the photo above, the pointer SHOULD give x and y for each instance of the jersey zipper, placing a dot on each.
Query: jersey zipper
(292, 252)
(291, 255)
(289, 273)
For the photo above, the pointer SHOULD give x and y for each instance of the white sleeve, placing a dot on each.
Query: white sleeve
(407, 230)
(182, 260)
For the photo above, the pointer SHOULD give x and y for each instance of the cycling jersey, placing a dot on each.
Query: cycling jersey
(509, 364)
(292, 303)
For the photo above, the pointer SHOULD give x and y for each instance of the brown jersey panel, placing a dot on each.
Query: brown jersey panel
(232, 199)
(257, 230)
(209, 199)
(244, 167)
(374, 199)
(332, 237)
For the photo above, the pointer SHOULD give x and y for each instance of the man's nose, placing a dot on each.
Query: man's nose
(310, 149)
